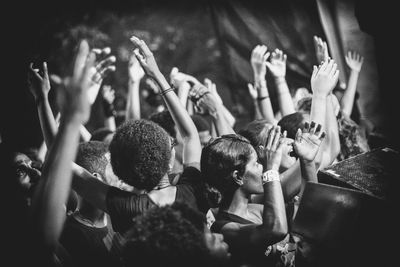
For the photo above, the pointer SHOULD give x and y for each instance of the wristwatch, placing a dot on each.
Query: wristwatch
(270, 176)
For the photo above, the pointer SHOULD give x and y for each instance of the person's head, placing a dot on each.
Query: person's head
(92, 156)
(257, 133)
(25, 172)
(172, 235)
(203, 128)
(291, 123)
(164, 119)
(103, 134)
(141, 153)
(230, 163)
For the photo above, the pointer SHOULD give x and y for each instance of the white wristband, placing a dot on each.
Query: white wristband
(270, 176)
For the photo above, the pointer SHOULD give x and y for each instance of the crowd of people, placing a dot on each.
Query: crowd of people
(180, 187)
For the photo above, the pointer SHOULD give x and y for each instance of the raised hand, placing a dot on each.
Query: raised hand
(99, 71)
(354, 61)
(324, 78)
(135, 71)
(272, 150)
(74, 100)
(39, 85)
(212, 87)
(258, 60)
(108, 94)
(277, 64)
(321, 50)
(307, 143)
(252, 91)
(145, 57)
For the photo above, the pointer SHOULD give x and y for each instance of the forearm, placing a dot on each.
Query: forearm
(228, 116)
(274, 214)
(110, 123)
(222, 126)
(331, 144)
(53, 189)
(47, 122)
(318, 109)
(264, 101)
(257, 113)
(133, 101)
(347, 100)
(291, 181)
(181, 117)
(183, 93)
(284, 97)
(308, 174)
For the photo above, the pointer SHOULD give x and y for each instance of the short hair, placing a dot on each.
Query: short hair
(219, 158)
(92, 156)
(140, 153)
(292, 122)
(256, 132)
(200, 122)
(164, 119)
(100, 134)
(172, 235)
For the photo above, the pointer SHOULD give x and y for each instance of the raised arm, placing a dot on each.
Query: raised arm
(206, 100)
(277, 67)
(254, 96)
(136, 74)
(258, 60)
(321, 50)
(185, 125)
(48, 211)
(108, 95)
(39, 85)
(306, 146)
(231, 120)
(323, 80)
(354, 62)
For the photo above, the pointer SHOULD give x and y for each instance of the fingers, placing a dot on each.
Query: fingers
(45, 71)
(81, 57)
(142, 46)
(277, 138)
(298, 135)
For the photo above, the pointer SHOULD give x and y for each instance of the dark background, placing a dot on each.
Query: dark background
(204, 38)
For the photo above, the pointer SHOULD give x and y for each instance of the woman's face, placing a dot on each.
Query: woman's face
(252, 177)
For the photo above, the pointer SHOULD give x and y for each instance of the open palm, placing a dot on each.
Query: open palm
(307, 143)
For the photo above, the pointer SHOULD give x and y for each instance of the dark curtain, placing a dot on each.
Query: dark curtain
(287, 25)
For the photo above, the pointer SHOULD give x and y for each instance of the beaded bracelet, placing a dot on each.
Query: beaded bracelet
(166, 91)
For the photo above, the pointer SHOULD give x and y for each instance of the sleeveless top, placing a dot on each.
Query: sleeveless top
(280, 254)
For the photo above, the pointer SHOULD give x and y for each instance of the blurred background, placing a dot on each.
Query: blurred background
(207, 39)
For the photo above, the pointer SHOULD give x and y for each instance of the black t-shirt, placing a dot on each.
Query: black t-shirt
(89, 246)
(124, 206)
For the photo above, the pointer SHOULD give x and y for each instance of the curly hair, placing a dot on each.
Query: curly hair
(219, 158)
(92, 156)
(140, 153)
(172, 235)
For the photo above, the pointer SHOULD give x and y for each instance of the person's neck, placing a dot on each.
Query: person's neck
(93, 216)
(239, 204)
(164, 183)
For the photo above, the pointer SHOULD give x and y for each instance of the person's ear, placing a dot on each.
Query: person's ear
(237, 178)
